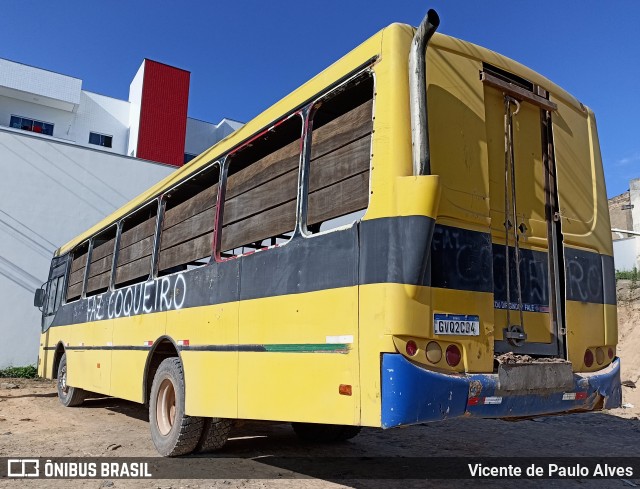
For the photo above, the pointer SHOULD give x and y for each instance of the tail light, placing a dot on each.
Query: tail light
(599, 355)
(411, 348)
(434, 352)
(588, 358)
(453, 355)
(610, 353)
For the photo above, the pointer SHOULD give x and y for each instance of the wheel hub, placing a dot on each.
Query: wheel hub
(166, 407)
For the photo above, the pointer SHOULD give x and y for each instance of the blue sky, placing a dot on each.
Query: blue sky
(245, 55)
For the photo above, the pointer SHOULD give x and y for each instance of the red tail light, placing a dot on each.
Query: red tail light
(588, 358)
(411, 348)
(610, 353)
(453, 355)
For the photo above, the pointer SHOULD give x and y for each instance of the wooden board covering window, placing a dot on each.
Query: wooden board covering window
(100, 266)
(339, 168)
(76, 274)
(135, 250)
(187, 230)
(260, 200)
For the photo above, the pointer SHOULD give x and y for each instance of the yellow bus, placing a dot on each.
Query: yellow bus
(419, 232)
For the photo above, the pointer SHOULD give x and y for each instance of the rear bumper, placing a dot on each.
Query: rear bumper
(411, 394)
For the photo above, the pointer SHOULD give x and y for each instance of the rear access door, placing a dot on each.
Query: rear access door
(528, 278)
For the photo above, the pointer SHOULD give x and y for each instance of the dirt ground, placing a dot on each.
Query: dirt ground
(34, 424)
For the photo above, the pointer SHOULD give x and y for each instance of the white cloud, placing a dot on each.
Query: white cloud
(633, 158)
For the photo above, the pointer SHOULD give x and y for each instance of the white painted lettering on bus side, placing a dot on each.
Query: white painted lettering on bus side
(137, 298)
(179, 290)
(147, 295)
(164, 294)
(128, 301)
(110, 306)
(164, 291)
(119, 300)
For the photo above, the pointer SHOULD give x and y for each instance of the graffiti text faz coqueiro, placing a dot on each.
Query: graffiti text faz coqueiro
(163, 294)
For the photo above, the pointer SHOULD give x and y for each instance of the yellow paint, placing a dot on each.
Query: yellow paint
(210, 377)
(128, 365)
(307, 381)
(465, 190)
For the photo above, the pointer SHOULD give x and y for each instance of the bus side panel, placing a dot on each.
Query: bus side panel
(309, 344)
(299, 345)
(46, 355)
(129, 357)
(211, 374)
(96, 360)
(71, 337)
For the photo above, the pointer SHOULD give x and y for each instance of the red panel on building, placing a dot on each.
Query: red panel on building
(163, 113)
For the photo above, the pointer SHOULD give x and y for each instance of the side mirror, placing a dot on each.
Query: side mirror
(38, 298)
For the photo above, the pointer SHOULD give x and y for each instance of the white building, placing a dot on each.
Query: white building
(68, 158)
(624, 210)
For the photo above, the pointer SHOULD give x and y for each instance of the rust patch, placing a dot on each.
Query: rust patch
(475, 388)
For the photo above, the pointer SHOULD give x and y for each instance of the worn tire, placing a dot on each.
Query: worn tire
(172, 431)
(214, 434)
(68, 396)
(324, 433)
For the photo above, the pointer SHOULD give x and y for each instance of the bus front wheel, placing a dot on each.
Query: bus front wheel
(172, 431)
(69, 396)
(324, 433)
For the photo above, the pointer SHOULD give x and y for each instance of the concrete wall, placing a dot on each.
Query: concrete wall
(95, 113)
(625, 254)
(103, 115)
(135, 101)
(37, 85)
(202, 135)
(61, 119)
(50, 192)
(620, 213)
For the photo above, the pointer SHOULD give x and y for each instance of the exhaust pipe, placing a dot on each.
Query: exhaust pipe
(418, 93)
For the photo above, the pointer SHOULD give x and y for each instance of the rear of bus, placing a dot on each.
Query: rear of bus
(514, 312)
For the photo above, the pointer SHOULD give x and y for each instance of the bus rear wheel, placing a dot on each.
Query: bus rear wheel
(325, 433)
(214, 435)
(172, 431)
(68, 396)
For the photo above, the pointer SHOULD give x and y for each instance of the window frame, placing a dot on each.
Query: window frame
(153, 264)
(33, 121)
(300, 112)
(102, 135)
(313, 106)
(90, 255)
(306, 111)
(84, 274)
(219, 162)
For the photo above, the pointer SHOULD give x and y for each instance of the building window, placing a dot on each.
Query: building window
(100, 139)
(18, 122)
(188, 157)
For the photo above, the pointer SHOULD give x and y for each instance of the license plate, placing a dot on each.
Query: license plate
(456, 324)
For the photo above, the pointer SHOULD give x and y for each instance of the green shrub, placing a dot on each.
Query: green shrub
(627, 274)
(28, 372)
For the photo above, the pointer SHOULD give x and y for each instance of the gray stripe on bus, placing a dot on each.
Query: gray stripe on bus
(389, 252)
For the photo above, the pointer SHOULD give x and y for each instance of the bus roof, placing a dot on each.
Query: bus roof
(359, 55)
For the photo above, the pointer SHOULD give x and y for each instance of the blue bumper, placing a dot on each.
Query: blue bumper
(411, 394)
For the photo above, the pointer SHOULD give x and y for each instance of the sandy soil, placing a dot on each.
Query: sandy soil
(34, 424)
(629, 343)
